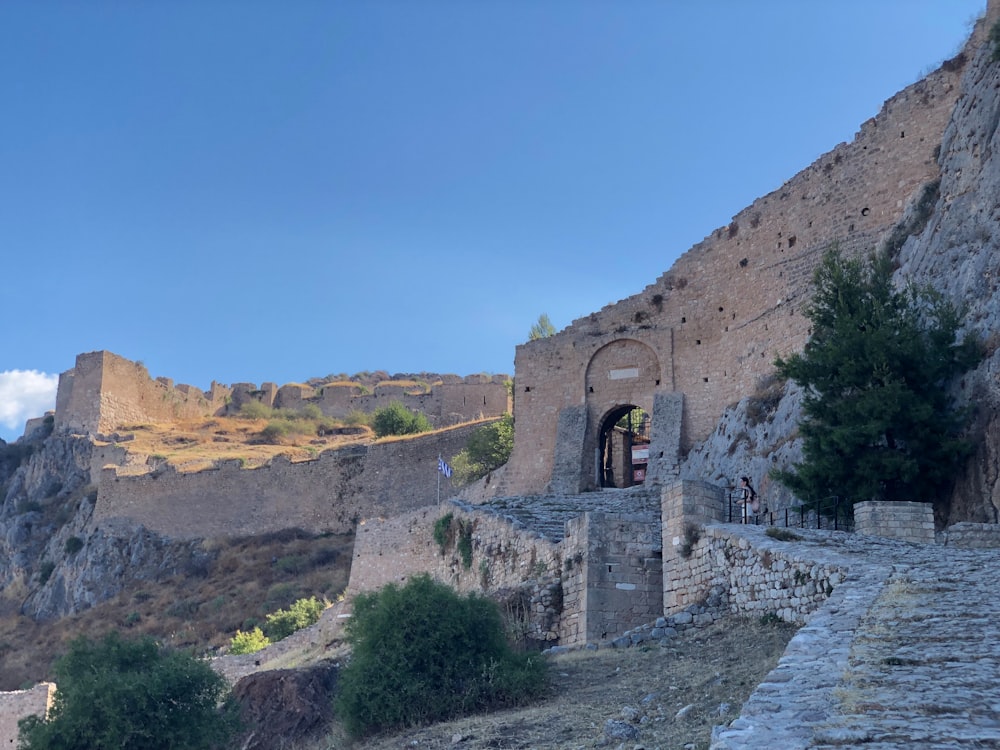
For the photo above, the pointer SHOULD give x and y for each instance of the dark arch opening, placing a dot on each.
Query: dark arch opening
(623, 449)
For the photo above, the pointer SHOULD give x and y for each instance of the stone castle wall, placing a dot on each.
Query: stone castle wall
(329, 493)
(712, 325)
(21, 704)
(105, 392)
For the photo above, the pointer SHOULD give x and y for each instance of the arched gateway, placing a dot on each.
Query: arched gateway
(623, 380)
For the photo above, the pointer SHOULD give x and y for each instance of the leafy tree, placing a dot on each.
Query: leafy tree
(488, 449)
(132, 695)
(878, 421)
(542, 329)
(423, 653)
(396, 419)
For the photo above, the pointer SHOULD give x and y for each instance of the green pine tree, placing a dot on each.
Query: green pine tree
(878, 423)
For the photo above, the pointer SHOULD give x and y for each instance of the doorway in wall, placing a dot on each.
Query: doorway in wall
(623, 447)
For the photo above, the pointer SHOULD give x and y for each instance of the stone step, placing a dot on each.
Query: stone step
(546, 515)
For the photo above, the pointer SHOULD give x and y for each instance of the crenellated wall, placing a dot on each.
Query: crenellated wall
(105, 392)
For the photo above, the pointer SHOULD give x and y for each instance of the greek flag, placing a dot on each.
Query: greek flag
(443, 467)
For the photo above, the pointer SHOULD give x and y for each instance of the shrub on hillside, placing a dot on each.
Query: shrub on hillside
(249, 642)
(396, 419)
(256, 410)
(423, 653)
(302, 614)
(134, 695)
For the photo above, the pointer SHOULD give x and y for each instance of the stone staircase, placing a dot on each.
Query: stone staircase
(546, 515)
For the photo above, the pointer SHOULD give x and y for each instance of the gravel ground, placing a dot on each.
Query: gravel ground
(665, 697)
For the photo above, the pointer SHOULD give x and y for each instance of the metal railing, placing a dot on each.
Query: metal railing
(832, 512)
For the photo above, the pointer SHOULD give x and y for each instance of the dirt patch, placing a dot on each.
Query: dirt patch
(666, 697)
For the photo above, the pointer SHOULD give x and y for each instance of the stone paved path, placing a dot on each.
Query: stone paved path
(904, 654)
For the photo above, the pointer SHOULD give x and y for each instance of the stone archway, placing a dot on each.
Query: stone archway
(623, 446)
(621, 376)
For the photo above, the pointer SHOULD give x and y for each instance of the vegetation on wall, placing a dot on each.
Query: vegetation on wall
(132, 694)
(396, 419)
(450, 531)
(541, 329)
(423, 653)
(879, 423)
(488, 449)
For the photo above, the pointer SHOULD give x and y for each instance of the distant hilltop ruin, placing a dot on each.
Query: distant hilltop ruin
(105, 392)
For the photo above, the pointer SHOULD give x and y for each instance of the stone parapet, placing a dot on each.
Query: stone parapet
(967, 535)
(907, 521)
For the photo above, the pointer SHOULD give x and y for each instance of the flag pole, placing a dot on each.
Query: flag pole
(439, 478)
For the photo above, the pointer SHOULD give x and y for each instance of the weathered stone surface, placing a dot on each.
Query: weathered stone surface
(285, 706)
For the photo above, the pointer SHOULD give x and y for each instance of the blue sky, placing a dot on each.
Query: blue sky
(272, 191)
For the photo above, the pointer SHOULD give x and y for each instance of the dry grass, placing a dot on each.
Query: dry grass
(196, 444)
(197, 609)
(673, 695)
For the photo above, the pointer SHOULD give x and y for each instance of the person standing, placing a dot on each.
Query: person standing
(748, 497)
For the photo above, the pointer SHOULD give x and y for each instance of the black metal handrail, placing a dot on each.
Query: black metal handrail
(834, 509)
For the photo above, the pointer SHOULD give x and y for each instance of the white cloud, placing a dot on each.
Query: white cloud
(25, 394)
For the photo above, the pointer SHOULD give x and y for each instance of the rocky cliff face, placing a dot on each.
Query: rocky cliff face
(957, 254)
(51, 563)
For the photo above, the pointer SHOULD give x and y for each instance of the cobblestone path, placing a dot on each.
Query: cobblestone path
(904, 654)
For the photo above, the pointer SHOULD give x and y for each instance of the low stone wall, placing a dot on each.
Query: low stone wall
(908, 521)
(21, 704)
(741, 578)
(512, 564)
(971, 536)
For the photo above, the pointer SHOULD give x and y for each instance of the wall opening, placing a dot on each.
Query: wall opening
(623, 446)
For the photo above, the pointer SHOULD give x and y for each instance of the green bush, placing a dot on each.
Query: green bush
(489, 448)
(73, 545)
(356, 417)
(423, 653)
(248, 643)
(133, 695)
(396, 419)
(301, 614)
(256, 410)
(45, 571)
(442, 531)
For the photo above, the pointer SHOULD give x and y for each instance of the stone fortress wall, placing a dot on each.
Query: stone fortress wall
(710, 327)
(105, 392)
(330, 493)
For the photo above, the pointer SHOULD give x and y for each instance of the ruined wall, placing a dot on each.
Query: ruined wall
(329, 493)
(716, 320)
(521, 568)
(21, 704)
(449, 402)
(104, 391)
